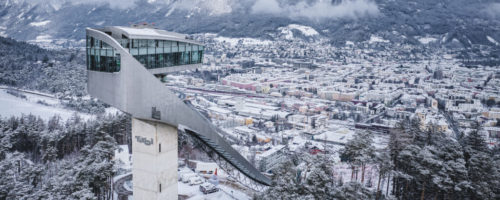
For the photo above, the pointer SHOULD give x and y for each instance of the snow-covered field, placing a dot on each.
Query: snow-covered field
(15, 106)
(305, 30)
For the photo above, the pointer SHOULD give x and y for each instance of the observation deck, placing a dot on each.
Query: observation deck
(124, 64)
(157, 50)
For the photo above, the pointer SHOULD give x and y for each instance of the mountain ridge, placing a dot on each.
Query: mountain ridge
(469, 22)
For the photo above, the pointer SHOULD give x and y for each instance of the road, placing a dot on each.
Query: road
(122, 192)
(451, 123)
(28, 92)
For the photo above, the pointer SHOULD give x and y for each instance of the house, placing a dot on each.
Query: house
(271, 158)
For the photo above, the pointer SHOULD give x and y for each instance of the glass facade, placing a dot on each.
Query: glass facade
(150, 53)
(163, 53)
(101, 56)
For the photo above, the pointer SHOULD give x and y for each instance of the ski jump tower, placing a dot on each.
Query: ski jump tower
(125, 66)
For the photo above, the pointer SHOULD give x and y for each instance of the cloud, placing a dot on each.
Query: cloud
(321, 9)
(214, 7)
(313, 9)
(120, 4)
(493, 10)
(267, 6)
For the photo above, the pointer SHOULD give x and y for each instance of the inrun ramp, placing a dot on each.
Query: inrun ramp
(119, 79)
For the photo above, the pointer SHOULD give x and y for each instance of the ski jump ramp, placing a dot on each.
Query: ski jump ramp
(124, 64)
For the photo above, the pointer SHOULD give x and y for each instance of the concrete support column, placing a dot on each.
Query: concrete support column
(154, 157)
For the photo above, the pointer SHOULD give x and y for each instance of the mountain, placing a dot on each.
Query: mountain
(464, 22)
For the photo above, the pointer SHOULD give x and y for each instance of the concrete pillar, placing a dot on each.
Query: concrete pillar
(154, 160)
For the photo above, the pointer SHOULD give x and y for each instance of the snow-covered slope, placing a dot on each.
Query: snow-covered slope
(287, 32)
(38, 105)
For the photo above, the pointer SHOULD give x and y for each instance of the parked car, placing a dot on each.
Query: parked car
(195, 180)
(185, 177)
(183, 171)
(208, 188)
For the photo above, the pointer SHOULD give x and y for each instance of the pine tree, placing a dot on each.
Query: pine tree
(480, 167)
(385, 167)
(359, 151)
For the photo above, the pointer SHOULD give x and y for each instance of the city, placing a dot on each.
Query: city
(221, 99)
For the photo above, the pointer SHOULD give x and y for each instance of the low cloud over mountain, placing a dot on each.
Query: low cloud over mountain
(319, 9)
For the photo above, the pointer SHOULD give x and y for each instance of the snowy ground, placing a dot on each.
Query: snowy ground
(123, 158)
(124, 162)
(226, 193)
(344, 171)
(15, 106)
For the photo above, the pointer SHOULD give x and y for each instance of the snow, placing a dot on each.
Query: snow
(219, 110)
(123, 157)
(42, 23)
(427, 40)
(128, 185)
(492, 40)
(112, 110)
(14, 106)
(377, 39)
(170, 11)
(244, 41)
(349, 43)
(100, 23)
(287, 34)
(343, 171)
(43, 38)
(217, 7)
(20, 16)
(305, 30)
(142, 31)
(226, 193)
(2, 33)
(271, 151)
(341, 135)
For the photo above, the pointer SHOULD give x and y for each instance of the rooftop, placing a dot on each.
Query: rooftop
(142, 32)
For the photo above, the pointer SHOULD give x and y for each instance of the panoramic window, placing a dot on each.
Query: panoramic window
(101, 56)
(163, 53)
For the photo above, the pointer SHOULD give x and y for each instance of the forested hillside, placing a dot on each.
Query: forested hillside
(59, 159)
(29, 66)
(55, 159)
(62, 73)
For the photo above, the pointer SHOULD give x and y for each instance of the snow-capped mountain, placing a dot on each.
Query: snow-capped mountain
(418, 22)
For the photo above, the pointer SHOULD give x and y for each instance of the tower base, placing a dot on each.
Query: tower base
(154, 157)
